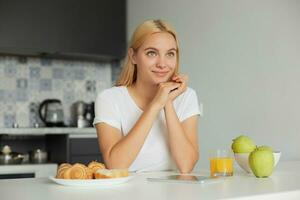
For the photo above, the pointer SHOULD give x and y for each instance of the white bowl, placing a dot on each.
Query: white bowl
(242, 160)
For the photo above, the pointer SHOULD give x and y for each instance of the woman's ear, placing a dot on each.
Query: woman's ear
(131, 55)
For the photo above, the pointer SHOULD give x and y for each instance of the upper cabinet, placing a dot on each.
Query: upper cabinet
(93, 29)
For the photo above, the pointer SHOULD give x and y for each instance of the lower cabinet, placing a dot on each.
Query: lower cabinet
(84, 150)
(61, 148)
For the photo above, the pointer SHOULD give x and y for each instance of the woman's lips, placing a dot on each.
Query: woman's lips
(160, 74)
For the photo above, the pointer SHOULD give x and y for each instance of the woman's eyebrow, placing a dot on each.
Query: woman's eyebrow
(172, 49)
(153, 48)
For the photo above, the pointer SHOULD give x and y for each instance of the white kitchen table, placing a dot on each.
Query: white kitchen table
(283, 184)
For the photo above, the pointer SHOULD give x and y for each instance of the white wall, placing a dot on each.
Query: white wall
(243, 59)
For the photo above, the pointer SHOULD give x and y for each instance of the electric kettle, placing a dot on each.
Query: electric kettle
(51, 113)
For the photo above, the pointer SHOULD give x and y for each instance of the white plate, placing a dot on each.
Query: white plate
(91, 182)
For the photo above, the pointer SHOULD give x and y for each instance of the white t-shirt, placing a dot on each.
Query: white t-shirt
(116, 107)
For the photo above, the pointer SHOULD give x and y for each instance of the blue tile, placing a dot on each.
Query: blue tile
(58, 73)
(46, 62)
(10, 70)
(34, 84)
(22, 60)
(22, 83)
(35, 72)
(79, 74)
(69, 75)
(45, 85)
(9, 120)
(90, 86)
(69, 96)
(57, 85)
(2, 95)
(9, 96)
(21, 95)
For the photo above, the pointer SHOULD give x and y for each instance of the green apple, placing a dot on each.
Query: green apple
(264, 147)
(261, 162)
(242, 144)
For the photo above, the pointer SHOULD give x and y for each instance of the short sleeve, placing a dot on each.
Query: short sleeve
(106, 111)
(190, 106)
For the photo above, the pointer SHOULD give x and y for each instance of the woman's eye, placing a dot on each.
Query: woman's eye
(171, 54)
(151, 53)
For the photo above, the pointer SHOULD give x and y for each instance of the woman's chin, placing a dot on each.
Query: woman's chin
(158, 80)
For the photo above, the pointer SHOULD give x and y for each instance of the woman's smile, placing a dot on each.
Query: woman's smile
(161, 73)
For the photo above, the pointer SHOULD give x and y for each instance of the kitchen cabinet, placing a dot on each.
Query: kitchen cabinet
(62, 144)
(84, 150)
(91, 30)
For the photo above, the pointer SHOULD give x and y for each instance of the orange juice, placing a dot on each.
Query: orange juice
(222, 166)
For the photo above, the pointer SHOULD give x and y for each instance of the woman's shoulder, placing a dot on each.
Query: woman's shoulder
(189, 92)
(112, 92)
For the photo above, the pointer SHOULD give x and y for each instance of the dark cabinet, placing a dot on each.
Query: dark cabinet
(61, 148)
(84, 150)
(75, 29)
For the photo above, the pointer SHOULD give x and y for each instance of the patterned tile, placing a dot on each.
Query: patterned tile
(34, 72)
(22, 83)
(45, 85)
(21, 95)
(46, 73)
(34, 85)
(8, 83)
(69, 97)
(2, 95)
(22, 59)
(90, 86)
(25, 80)
(58, 73)
(79, 74)
(9, 120)
(10, 70)
(57, 85)
(46, 62)
(9, 96)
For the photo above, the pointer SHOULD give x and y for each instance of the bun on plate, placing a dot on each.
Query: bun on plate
(111, 173)
(62, 169)
(94, 166)
(78, 170)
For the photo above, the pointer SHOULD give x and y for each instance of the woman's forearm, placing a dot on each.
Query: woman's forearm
(123, 153)
(182, 150)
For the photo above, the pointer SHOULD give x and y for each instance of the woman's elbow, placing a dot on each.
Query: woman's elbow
(189, 165)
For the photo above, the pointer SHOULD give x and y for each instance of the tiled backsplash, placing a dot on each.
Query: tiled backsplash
(26, 80)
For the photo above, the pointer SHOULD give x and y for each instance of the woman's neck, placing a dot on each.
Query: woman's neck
(142, 93)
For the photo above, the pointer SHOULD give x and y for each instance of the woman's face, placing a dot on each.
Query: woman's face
(156, 59)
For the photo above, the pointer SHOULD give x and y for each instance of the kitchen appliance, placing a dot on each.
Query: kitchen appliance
(38, 156)
(82, 114)
(90, 113)
(8, 157)
(51, 113)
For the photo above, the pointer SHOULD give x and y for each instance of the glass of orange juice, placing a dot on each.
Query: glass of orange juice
(221, 163)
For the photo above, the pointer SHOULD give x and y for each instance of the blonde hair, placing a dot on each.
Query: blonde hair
(144, 30)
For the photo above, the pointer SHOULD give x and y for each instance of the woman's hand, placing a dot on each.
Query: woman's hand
(182, 80)
(163, 93)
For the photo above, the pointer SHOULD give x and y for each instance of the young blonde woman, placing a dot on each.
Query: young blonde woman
(149, 120)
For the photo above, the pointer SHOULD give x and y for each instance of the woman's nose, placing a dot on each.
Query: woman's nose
(161, 62)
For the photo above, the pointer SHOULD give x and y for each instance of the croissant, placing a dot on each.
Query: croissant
(77, 171)
(111, 173)
(62, 169)
(94, 166)
(90, 173)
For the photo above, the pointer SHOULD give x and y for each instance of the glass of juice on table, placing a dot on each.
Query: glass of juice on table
(221, 163)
